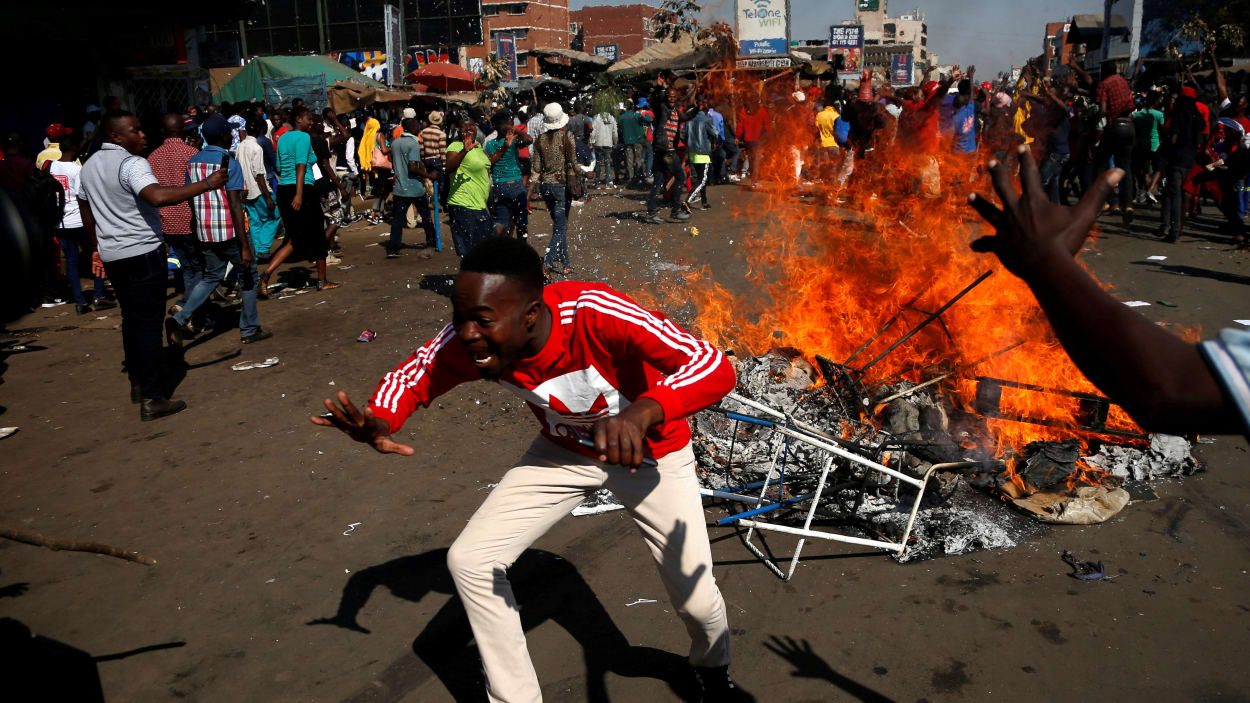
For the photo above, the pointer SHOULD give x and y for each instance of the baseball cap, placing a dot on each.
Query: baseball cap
(215, 127)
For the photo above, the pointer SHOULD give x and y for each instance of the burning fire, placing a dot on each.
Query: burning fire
(825, 281)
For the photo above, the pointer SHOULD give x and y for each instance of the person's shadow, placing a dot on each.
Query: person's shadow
(810, 665)
(546, 586)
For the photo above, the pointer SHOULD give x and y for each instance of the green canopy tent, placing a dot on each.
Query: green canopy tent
(248, 84)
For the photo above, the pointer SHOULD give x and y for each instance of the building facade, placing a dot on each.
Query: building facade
(1055, 47)
(613, 31)
(534, 24)
(886, 37)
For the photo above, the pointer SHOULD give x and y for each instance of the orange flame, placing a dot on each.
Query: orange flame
(825, 280)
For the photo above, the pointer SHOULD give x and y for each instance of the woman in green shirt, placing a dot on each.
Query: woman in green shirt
(468, 167)
(298, 203)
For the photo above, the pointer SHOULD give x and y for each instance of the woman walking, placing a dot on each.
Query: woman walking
(555, 171)
(298, 203)
(468, 166)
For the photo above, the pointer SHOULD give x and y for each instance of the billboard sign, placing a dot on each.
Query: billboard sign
(847, 40)
(763, 28)
(505, 48)
(608, 51)
(868, 5)
(901, 66)
(393, 30)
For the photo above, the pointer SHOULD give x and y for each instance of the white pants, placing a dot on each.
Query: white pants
(541, 489)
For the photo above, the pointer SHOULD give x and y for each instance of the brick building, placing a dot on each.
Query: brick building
(1055, 47)
(599, 28)
(534, 23)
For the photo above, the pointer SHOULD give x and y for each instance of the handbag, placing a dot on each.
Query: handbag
(380, 159)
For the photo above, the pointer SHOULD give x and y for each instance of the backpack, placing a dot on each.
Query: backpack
(45, 197)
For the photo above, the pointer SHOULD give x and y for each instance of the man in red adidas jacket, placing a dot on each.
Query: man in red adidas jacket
(590, 363)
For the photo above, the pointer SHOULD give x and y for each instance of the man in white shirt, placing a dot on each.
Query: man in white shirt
(69, 232)
(262, 214)
(119, 200)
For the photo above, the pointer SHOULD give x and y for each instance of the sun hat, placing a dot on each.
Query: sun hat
(436, 117)
(409, 113)
(554, 117)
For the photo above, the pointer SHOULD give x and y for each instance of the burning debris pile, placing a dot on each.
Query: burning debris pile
(751, 451)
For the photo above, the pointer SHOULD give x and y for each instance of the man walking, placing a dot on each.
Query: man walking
(1115, 100)
(593, 367)
(262, 211)
(633, 137)
(603, 140)
(699, 134)
(118, 204)
(669, 171)
(409, 191)
(434, 152)
(217, 219)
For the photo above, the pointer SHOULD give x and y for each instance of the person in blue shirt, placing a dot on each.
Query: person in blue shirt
(963, 119)
(409, 190)
(718, 153)
(506, 183)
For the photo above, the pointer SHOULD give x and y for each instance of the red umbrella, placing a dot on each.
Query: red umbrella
(445, 77)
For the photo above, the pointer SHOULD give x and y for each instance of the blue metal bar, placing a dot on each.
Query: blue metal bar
(735, 489)
(438, 227)
(765, 509)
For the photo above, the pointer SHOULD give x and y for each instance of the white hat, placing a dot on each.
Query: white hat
(799, 96)
(409, 113)
(554, 117)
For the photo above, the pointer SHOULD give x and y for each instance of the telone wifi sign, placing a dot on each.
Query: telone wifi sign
(763, 28)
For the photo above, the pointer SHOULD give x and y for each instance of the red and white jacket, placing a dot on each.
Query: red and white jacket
(604, 353)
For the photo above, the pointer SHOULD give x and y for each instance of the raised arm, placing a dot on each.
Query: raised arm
(1221, 86)
(1158, 378)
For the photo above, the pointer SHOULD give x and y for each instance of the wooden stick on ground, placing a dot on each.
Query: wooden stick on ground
(71, 546)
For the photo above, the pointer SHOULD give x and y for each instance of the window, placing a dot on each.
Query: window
(890, 28)
(924, 40)
(490, 10)
(522, 59)
(516, 8)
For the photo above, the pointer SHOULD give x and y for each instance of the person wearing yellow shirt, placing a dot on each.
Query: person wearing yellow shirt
(825, 120)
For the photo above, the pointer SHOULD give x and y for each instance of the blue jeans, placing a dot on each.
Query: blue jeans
(648, 159)
(1051, 174)
(190, 262)
(468, 227)
(70, 238)
(730, 163)
(557, 205)
(510, 206)
(216, 256)
(400, 215)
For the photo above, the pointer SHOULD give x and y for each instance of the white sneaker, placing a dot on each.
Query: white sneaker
(333, 260)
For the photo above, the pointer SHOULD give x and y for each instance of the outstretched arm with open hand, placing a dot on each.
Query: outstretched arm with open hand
(1158, 378)
(363, 426)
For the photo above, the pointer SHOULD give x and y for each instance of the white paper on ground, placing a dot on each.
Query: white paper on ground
(1136, 303)
(1243, 322)
(1155, 258)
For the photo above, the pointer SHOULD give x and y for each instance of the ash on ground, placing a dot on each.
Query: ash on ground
(1168, 456)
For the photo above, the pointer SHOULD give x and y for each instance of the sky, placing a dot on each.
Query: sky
(993, 35)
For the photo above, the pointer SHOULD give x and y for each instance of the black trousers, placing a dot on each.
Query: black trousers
(1172, 207)
(1117, 140)
(667, 165)
(140, 283)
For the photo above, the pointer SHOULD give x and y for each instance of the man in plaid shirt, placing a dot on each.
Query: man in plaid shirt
(217, 220)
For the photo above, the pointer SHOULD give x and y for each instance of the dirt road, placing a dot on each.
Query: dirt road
(294, 565)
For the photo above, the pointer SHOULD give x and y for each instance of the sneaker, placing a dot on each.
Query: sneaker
(394, 254)
(680, 216)
(706, 206)
(1128, 216)
(734, 177)
(1151, 197)
(654, 220)
(333, 260)
(52, 302)
(82, 309)
(102, 304)
(257, 336)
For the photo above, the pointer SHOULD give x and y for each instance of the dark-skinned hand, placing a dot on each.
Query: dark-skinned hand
(1029, 227)
(217, 179)
(363, 427)
(621, 439)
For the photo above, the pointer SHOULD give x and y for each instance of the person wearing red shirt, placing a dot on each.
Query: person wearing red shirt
(752, 123)
(1115, 100)
(596, 369)
(169, 164)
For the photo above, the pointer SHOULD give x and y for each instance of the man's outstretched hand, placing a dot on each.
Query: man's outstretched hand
(361, 426)
(1030, 228)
